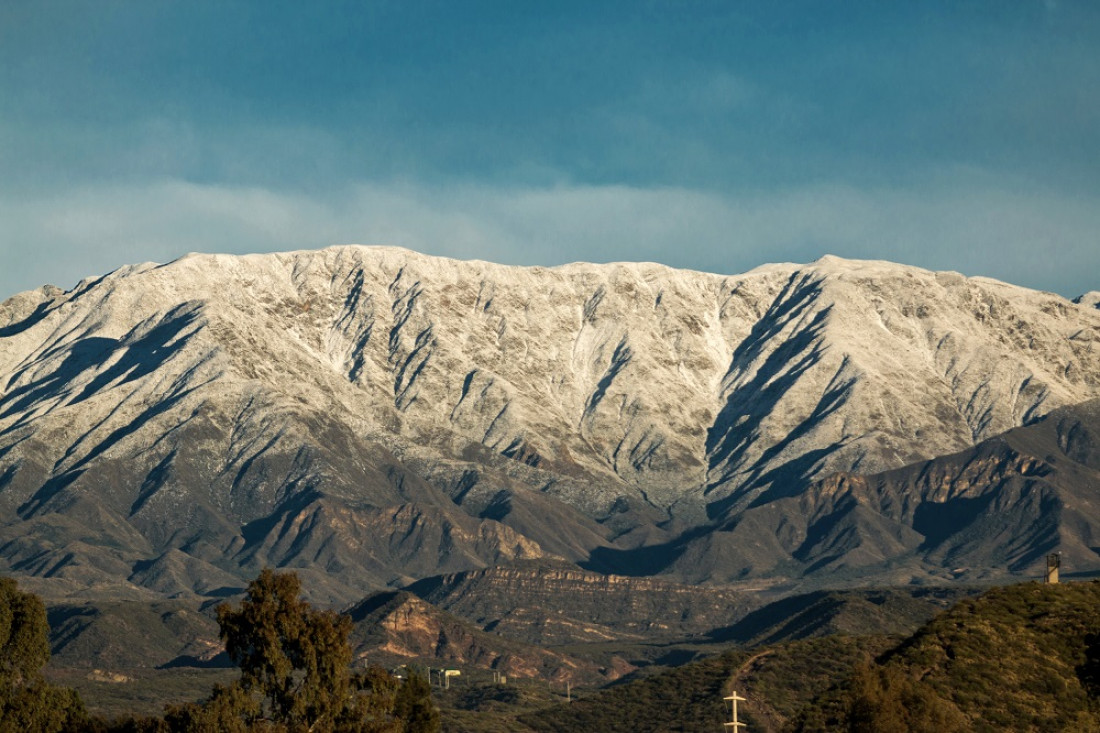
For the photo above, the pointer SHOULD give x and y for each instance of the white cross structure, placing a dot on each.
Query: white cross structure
(734, 725)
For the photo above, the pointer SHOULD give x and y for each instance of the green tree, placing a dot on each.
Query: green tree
(296, 658)
(373, 708)
(296, 674)
(229, 709)
(414, 705)
(27, 703)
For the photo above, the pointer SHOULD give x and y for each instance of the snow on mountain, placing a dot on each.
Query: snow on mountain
(376, 415)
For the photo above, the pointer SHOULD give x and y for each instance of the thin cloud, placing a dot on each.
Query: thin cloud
(1039, 240)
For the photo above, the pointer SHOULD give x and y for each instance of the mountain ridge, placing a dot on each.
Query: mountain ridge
(179, 426)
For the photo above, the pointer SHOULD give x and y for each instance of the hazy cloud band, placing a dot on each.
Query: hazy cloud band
(1045, 241)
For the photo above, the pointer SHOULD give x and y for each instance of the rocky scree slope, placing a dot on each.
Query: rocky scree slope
(371, 416)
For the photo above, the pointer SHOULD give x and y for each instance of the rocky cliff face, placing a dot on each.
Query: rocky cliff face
(372, 416)
(553, 603)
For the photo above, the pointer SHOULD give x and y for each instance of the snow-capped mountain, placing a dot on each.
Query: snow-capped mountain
(372, 415)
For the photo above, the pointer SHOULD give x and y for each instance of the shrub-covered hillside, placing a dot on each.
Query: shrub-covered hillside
(1022, 658)
(778, 681)
(1018, 658)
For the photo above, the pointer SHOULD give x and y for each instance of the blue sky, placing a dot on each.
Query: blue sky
(710, 135)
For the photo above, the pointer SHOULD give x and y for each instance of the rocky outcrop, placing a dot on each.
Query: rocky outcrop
(546, 603)
(398, 628)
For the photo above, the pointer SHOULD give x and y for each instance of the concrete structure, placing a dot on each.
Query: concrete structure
(1054, 561)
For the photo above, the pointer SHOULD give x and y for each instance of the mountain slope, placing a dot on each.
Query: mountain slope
(898, 611)
(372, 415)
(998, 507)
(127, 634)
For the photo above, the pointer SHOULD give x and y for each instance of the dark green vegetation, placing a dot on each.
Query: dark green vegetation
(481, 706)
(688, 698)
(296, 673)
(778, 681)
(27, 701)
(1024, 657)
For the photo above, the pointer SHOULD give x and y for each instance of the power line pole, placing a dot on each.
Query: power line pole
(734, 725)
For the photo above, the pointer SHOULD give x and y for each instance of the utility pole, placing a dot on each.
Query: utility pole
(734, 725)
